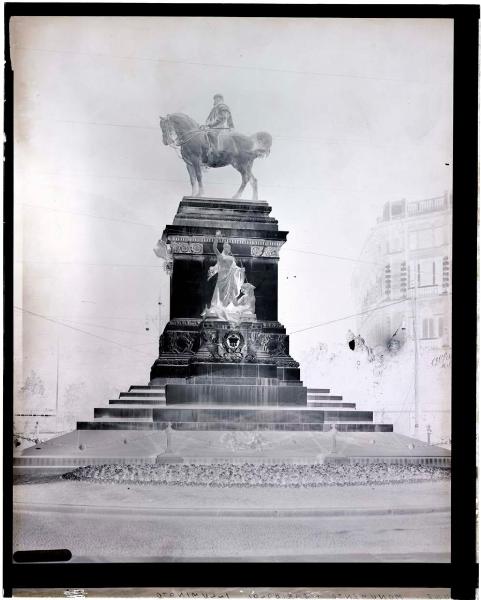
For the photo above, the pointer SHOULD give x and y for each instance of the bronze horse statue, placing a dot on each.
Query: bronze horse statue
(240, 151)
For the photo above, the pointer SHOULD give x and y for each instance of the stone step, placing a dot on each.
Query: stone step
(318, 390)
(147, 388)
(238, 414)
(231, 426)
(161, 403)
(150, 405)
(138, 401)
(127, 425)
(144, 394)
(130, 413)
(136, 419)
(316, 403)
(215, 380)
(226, 394)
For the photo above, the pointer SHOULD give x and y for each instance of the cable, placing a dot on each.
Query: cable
(182, 181)
(88, 215)
(274, 135)
(105, 327)
(365, 312)
(349, 316)
(334, 256)
(96, 317)
(84, 264)
(216, 65)
(77, 329)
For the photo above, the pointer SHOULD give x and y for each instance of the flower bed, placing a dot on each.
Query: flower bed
(258, 475)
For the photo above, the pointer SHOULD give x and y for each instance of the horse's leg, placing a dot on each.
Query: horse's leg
(253, 181)
(245, 178)
(191, 170)
(198, 174)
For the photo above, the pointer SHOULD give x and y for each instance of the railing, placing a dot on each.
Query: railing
(425, 290)
(428, 205)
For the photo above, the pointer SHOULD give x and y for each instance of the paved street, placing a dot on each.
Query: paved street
(425, 495)
(416, 537)
(100, 521)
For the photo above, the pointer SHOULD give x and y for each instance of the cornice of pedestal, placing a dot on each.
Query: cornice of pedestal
(227, 202)
(195, 244)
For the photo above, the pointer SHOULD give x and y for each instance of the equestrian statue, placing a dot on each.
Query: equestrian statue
(215, 144)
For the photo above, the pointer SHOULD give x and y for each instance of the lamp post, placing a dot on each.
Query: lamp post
(429, 431)
(415, 339)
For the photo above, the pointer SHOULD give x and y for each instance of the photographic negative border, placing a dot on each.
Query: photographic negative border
(461, 574)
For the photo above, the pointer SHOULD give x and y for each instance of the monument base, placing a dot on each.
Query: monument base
(211, 447)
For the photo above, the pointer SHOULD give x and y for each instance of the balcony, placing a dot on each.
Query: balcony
(425, 290)
(426, 206)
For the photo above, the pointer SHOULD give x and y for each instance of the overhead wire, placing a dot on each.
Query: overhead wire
(215, 65)
(328, 142)
(326, 255)
(29, 312)
(350, 316)
(182, 181)
(77, 322)
(82, 214)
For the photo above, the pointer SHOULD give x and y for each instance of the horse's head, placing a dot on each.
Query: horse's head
(264, 140)
(167, 130)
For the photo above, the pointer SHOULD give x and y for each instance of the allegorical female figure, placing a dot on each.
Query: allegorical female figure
(225, 303)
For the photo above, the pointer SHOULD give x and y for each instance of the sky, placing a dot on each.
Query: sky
(360, 111)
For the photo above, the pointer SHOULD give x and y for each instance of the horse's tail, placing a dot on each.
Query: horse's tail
(264, 143)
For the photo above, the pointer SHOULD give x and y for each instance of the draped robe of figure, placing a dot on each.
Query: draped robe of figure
(230, 278)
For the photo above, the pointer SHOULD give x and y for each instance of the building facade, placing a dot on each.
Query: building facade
(402, 285)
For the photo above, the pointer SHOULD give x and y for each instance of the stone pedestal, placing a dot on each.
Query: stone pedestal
(213, 375)
(209, 360)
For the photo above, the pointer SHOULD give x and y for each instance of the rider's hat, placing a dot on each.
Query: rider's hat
(219, 96)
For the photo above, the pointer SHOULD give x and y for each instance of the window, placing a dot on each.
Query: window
(426, 272)
(395, 244)
(438, 273)
(411, 274)
(439, 236)
(433, 327)
(423, 238)
(397, 209)
(440, 327)
(429, 329)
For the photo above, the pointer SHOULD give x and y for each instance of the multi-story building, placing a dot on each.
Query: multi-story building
(403, 288)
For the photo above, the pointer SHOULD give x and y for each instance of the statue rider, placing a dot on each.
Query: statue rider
(219, 121)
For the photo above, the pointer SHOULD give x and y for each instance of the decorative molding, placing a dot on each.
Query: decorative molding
(203, 239)
(177, 342)
(184, 322)
(220, 341)
(167, 361)
(273, 344)
(186, 247)
(271, 252)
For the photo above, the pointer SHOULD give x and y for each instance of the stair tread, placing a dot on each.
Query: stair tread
(223, 407)
(116, 419)
(137, 397)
